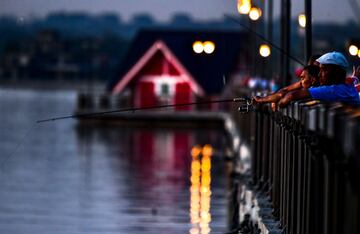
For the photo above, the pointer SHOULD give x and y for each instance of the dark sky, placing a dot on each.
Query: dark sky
(162, 10)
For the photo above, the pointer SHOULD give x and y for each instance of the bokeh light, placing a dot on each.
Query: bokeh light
(244, 6)
(302, 20)
(353, 50)
(255, 13)
(264, 50)
(209, 47)
(198, 47)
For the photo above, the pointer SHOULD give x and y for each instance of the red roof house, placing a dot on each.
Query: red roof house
(159, 78)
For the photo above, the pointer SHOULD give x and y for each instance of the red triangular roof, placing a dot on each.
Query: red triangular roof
(146, 58)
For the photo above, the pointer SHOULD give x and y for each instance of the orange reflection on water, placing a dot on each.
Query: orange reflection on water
(195, 151)
(207, 150)
(200, 190)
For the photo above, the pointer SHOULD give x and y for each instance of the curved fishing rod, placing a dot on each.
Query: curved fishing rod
(264, 39)
(245, 107)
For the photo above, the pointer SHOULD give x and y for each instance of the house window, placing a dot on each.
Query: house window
(164, 89)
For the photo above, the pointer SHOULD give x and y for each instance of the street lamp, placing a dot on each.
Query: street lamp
(255, 13)
(244, 6)
(198, 47)
(353, 50)
(302, 20)
(264, 50)
(209, 47)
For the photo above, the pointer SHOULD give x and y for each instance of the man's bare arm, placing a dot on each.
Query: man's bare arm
(275, 97)
(294, 86)
(293, 96)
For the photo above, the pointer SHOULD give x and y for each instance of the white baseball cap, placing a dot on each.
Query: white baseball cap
(335, 58)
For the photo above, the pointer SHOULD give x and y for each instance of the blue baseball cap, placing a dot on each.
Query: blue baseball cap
(334, 58)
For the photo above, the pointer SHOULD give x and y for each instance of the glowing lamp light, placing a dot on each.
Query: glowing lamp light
(353, 50)
(255, 13)
(358, 54)
(244, 6)
(198, 47)
(302, 20)
(252, 83)
(264, 50)
(209, 47)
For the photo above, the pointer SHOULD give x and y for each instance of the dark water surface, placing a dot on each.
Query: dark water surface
(62, 177)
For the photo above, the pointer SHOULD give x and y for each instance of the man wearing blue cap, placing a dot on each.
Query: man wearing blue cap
(332, 78)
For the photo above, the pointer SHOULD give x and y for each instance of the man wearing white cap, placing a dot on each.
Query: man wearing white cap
(332, 78)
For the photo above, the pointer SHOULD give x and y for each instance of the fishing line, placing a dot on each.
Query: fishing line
(19, 144)
(264, 39)
(134, 109)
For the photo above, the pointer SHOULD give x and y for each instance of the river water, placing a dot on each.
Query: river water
(65, 177)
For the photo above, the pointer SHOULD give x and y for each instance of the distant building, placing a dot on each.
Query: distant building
(50, 56)
(180, 66)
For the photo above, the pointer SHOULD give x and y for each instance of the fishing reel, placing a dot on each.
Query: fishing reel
(246, 105)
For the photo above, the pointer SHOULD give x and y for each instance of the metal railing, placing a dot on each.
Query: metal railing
(305, 167)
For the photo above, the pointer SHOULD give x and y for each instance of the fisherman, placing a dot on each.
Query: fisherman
(313, 58)
(333, 86)
(308, 78)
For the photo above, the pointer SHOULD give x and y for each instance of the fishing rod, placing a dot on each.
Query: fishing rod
(246, 106)
(264, 39)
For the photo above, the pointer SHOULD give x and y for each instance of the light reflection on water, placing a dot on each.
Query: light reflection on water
(69, 178)
(200, 189)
